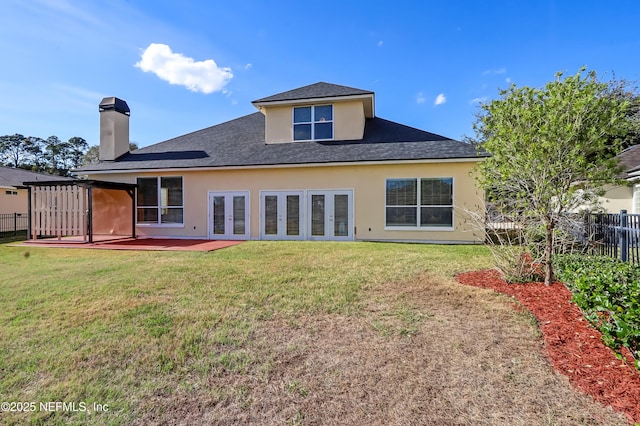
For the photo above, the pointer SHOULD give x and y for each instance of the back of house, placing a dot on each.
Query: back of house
(313, 163)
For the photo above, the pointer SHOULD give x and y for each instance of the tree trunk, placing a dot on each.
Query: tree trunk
(548, 250)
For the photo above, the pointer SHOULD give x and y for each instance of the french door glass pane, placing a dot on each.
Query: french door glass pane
(271, 215)
(341, 215)
(293, 215)
(317, 215)
(218, 215)
(238, 215)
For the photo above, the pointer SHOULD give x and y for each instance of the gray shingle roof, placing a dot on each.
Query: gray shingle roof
(241, 142)
(314, 91)
(629, 160)
(10, 177)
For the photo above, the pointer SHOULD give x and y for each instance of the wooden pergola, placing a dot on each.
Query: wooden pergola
(81, 207)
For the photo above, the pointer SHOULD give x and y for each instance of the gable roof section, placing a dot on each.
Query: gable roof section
(14, 178)
(320, 92)
(314, 91)
(629, 161)
(240, 143)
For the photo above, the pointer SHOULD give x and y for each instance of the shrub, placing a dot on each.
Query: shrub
(608, 293)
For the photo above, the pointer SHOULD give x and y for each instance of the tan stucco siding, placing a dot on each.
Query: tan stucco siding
(368, 183)
(617, 198)
(348, 122)
(14, 203)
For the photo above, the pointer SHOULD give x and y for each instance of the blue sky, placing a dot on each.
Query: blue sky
(186, 65)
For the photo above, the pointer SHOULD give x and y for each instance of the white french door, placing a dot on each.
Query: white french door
(330, 215)
(281, 215)
(229, 215)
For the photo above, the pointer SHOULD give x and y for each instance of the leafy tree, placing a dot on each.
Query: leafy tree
(93, 153)
(76, 151)
(51, 155)
(552, 150)
(55, 152)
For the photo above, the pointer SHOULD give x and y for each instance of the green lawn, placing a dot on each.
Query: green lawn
(113, 327)
(144, 333)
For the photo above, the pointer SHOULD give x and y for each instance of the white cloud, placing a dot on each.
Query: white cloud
(420, 99)
(478, 100)
(380, 43)
(175, 68)
(508, 80)
(502, 70)
(440, 99)
(248, 67)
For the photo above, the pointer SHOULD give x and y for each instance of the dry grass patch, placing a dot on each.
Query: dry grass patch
(424, 351)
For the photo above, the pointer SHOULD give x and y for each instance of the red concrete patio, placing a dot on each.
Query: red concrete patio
(132, 244)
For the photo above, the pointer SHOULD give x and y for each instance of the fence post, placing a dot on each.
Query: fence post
(624, 246)
(15, 224)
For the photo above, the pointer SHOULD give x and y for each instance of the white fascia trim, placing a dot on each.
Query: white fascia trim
(284, 166)
(307, 101)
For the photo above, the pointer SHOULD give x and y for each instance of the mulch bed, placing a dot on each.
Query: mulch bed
(572, 345)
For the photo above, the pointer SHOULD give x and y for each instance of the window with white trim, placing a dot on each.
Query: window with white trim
(160, 200)
(313, 123)
(419, 203)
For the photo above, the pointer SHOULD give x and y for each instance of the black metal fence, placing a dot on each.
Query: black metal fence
(614, 235)
(13, 225)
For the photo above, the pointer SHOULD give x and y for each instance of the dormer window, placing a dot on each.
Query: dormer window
(313, 123)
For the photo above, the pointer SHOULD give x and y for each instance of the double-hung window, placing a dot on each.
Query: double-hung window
(160, 200)
(419, 203)
(313, 123)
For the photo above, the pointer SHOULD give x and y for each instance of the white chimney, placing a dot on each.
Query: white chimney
(114, 128)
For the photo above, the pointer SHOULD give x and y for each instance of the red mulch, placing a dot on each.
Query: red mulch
(573, 346)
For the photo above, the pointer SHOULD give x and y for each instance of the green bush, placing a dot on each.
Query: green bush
(608, 293)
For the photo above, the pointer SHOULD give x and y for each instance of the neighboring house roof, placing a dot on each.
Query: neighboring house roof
(241, 142)
(14, 178)
(314, 91)
(629, 160)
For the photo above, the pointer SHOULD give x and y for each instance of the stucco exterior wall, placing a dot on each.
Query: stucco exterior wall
(348, 122)
(618, 198)
(14, 203)
(368, 183)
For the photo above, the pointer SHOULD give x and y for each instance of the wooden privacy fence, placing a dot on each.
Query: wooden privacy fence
(614, 235)
(58, 211)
